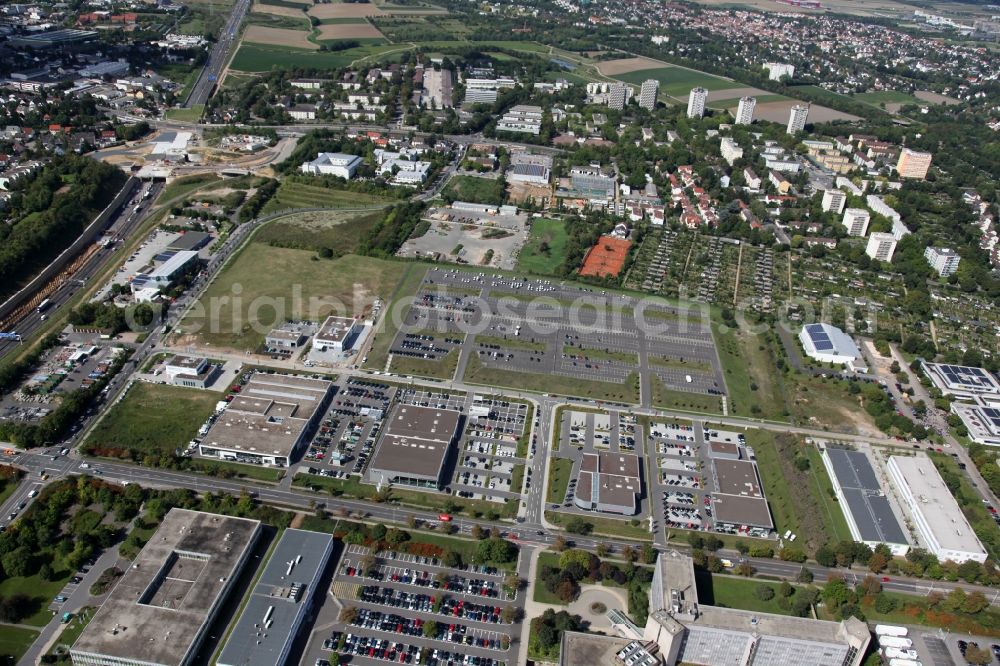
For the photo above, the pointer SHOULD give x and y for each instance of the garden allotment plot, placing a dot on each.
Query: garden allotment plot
(555, 337)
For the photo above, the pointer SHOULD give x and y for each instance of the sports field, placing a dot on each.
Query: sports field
(266, 284)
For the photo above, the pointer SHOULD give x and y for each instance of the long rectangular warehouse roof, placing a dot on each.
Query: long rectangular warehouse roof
(865, 499)
(280, 601)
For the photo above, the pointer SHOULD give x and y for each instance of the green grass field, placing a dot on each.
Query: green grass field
(747, 363)
(191, 115)
(264, 278)
(553, 234)
(253, 57)
(15, 641)
(443, 368)
(559, 471)
(612, 527)
(154, 418)
(300, 195)
(385, 332)
(887, 97)
(729, 592)
(336, 230)
(678, 81)
(187, 185)
(475, 190)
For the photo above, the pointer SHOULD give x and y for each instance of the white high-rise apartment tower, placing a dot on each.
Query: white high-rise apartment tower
(696, 102)
(647, 94)
(797, 118)
(881, 246)
(744, 112)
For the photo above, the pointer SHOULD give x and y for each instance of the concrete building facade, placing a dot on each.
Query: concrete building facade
(696, 102)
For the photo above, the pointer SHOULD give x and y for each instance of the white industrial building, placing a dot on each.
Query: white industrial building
(333, 164)
(337, 333)
(981, 421)
(940, 523)
(829, 344)
(962, 381)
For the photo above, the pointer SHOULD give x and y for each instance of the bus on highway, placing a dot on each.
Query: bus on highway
(44, 305)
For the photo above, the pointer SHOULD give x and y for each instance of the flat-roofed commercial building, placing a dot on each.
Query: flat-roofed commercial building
(962, 381)
(688, 632)
(334, 164)
(280, 602)
(740, 505)
(190, 371)
(867, 510)
(415, 446)
(981, 421)
(609, 482)
(336, 333)
(940, 523)
(268, 421)
(160, 611)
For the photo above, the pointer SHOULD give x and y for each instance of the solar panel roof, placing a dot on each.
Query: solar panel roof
(870, 510)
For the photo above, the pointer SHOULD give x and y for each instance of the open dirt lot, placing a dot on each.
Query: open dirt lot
(626, 65)
(777, 112)
(445, 237)
(349, 31)
(260, 8)
(279, 37)
(345, 10)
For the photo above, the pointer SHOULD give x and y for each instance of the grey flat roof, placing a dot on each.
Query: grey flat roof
(740, 510)
(282, 595)
(158, 610)
(865, 500)
(738, 477)
(416, 441)
(192, 240)
(268, 415)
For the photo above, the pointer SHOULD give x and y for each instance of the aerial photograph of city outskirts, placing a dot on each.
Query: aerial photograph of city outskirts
(444, 333)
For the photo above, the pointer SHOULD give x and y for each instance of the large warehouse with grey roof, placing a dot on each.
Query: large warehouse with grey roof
(414, 447)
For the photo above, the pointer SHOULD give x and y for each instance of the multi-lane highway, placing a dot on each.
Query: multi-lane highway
(218, 56)
(121, 228)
